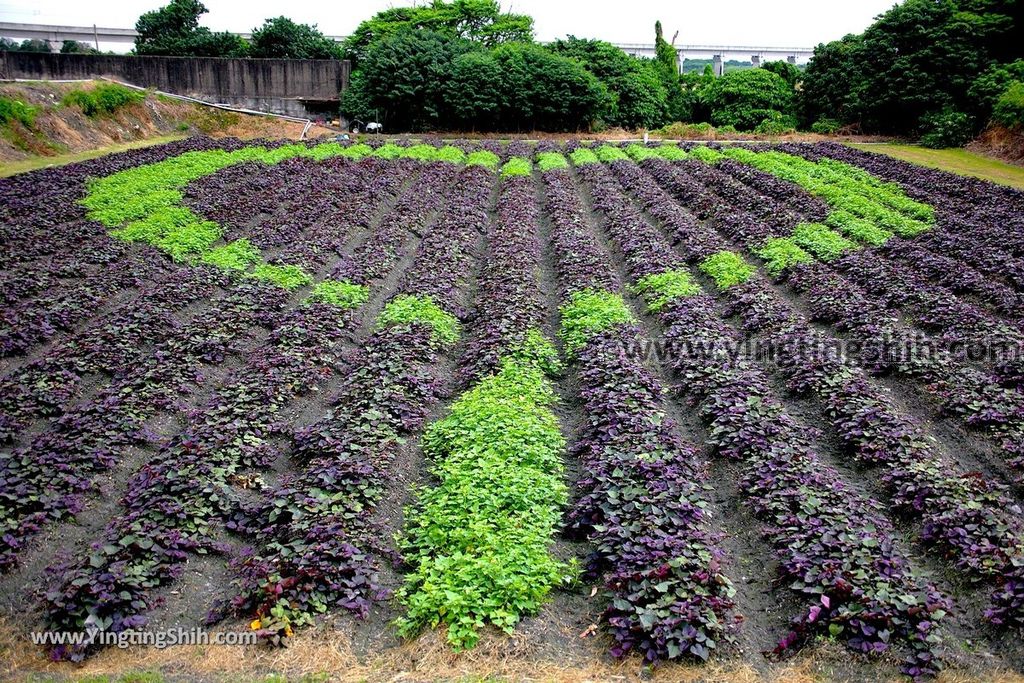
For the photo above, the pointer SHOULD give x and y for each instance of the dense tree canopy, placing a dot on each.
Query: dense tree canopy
(419, 79)
(27, 45)
(282, 37)
(920, 59)
(666, 61)
(478, 21)
(744, 99)
(174, 30)
(638, 97)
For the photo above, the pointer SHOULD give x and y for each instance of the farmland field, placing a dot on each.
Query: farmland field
(705, 407)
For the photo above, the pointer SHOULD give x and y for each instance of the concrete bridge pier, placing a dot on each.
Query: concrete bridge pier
(755, 60)
(791, 59)
(718, 65)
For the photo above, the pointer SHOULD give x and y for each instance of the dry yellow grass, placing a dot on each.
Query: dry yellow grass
(327, 655)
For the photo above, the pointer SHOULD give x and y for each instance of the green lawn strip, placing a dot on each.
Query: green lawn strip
(959, 161)
(478, 541)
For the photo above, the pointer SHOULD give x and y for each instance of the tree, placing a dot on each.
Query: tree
(989, 86)
(479, 21)
(29, 45)
(474, 92)
(403, 77)
(174, 30)
(917, 61)
(788, 72)
(75, 47)
(1009, 108)
(826, 91)
(667, 62)
(744, 99)
(638, 97)
(419, 80)
(282, 37)
(546, 91)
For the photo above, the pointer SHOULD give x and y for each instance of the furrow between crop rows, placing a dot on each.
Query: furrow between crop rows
(176, 504)
(836, 549)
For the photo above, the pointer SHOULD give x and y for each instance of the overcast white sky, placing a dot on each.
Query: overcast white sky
(763, 23)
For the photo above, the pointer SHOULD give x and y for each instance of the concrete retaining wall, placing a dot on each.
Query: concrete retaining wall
(298, 87)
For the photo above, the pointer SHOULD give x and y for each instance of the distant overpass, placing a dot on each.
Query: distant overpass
(719, 53)
(123, 39)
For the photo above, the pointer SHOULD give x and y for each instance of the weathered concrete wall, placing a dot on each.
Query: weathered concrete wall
(283, 86)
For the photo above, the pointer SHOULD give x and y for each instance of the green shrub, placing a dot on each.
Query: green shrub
(516, 166)
(1009, 109)
(339, 293)
(16, 110)
(947, 128)
(826, 126)
(745, 98)
(686, 131)
(661, 288)
(776, 123)
(288, 277)
(547, 161)
(727, 268)
(413, 309)
(588, 312)
(780, 253)
(104, 99)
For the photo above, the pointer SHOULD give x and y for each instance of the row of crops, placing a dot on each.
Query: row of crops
(398, 378)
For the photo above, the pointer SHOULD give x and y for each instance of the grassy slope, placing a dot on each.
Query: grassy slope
(10, 168)
(956, 160)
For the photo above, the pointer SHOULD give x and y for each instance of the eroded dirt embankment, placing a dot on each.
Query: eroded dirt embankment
(58, 129)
